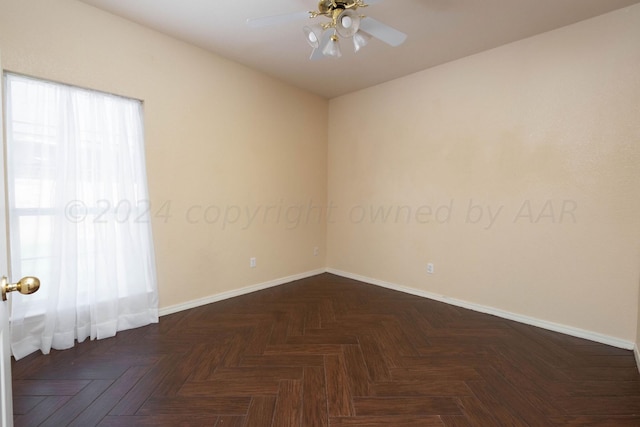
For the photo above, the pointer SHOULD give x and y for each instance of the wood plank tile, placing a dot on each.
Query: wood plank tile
(230, 421)
(477, 413)
(303, 349)
(314, 398)
(83, 370)
(312, 318)
(374, 359)
(260, 411)
(77, 404)
(396, 338)
(235, 350)
(521, 375)
(339, 399)
(423, 405)
(597, 421)
(320, 339)
(144, 388)
(420, 388)
(524, 404)
(211, 405)
(327, 314)
(501, 412)
(162, 421)
(99, 408)
(455, 421)
(288, 412)
(438, 373)
(601, 405)
(387, 421)
(260, 337)
(48, 387)
(22, 405)
(210, 357)
(272, 361)
(41, 412)
(599, 388)
(356, 370)
(181, 371)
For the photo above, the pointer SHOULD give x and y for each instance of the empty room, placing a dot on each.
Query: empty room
(333, 213)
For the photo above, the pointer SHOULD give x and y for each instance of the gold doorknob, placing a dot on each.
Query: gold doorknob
(26, 285)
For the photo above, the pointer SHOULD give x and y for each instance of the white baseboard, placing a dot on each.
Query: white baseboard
(237, 292)
(567, 330)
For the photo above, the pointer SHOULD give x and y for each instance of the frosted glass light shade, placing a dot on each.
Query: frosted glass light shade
(313, 34)
(348, 23)
(332, 48)
(360, 40)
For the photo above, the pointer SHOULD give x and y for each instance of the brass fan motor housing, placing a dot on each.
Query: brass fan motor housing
(325, 7)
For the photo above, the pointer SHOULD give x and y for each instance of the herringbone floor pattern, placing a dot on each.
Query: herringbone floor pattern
(328, 351)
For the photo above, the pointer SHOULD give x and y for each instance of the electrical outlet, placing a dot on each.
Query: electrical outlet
(252, 262)
(430, 269)
(316, 251)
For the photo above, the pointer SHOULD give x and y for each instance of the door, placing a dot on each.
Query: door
(27, 285)
(6, 398)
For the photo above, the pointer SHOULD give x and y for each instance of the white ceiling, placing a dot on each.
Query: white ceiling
(438, 31)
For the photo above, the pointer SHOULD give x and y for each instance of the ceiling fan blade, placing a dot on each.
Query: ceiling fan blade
(317, 52)
(284, 18)
(383, 32)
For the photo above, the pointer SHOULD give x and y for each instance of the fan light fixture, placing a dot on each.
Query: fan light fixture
(344, 23)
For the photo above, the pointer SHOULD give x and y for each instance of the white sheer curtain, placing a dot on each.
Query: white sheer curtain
(79, 215)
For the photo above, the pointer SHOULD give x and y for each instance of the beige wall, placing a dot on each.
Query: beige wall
(544, 136)
(217, 134)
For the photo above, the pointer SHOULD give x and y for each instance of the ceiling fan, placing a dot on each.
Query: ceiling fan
(344, 22)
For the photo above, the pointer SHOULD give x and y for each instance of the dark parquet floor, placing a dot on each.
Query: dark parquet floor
(329, 351)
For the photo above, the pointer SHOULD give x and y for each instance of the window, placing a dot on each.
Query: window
(78, 214)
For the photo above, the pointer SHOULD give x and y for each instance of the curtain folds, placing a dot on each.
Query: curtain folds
(78, 215)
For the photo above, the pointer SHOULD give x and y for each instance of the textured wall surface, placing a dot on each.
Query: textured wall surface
(514, 171)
